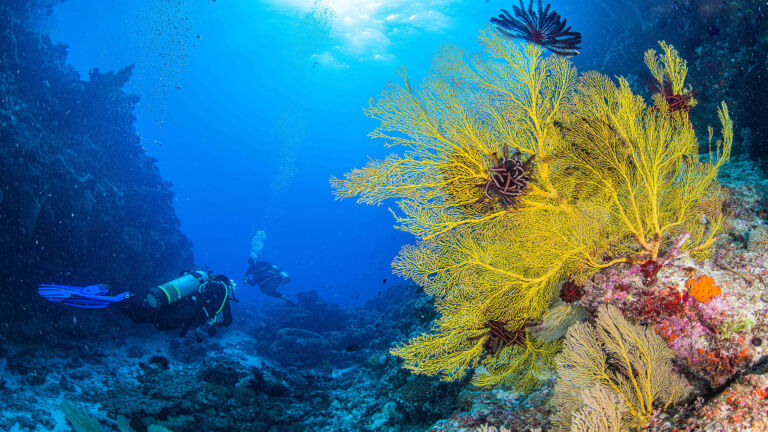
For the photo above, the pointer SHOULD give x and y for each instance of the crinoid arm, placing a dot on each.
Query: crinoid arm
(544, 27)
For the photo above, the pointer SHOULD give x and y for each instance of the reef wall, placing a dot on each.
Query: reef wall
(724, 44)
(80, 200)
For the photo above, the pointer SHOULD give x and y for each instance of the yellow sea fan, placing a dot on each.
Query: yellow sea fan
(641, 164)
(630, 361)
(669, 71)
(614, 180)
(558, 319)
(451, 127)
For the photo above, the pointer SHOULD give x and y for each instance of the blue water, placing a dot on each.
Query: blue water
(251, 106)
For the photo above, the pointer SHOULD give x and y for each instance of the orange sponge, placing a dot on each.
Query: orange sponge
(702, 288)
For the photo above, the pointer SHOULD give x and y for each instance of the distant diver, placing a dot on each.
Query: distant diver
(195, 299)
(268, 277)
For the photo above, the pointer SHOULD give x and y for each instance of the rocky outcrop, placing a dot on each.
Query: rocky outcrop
(80, 200)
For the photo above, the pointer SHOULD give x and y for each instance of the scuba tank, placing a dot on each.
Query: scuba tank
(170, 292)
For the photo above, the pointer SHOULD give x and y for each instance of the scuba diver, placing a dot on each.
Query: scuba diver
(268, 277)
(196, 298)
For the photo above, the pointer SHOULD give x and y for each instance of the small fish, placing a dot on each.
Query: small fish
(384, 281)
(352, 348)
(336, 373)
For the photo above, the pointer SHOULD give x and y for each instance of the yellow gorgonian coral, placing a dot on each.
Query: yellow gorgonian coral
(452, 127)
(630, 364)
(668, 72)
(602, 178)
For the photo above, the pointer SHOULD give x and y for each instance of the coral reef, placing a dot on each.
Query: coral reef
(743, 406)
(499, 408)
(551, 210)
(698, 293)
(146, 378)
(712, 313)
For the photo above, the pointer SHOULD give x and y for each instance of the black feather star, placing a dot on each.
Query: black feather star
(543, 27)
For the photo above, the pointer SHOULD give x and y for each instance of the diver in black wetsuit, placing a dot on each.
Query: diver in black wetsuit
(268, 277)
(195, 299)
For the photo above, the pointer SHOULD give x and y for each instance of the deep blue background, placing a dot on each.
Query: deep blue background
(249, 126)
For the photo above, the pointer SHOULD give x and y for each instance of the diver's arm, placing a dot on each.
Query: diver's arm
(247, 275)
(287, 300)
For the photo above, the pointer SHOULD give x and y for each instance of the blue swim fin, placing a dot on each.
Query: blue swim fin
(88, 297)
